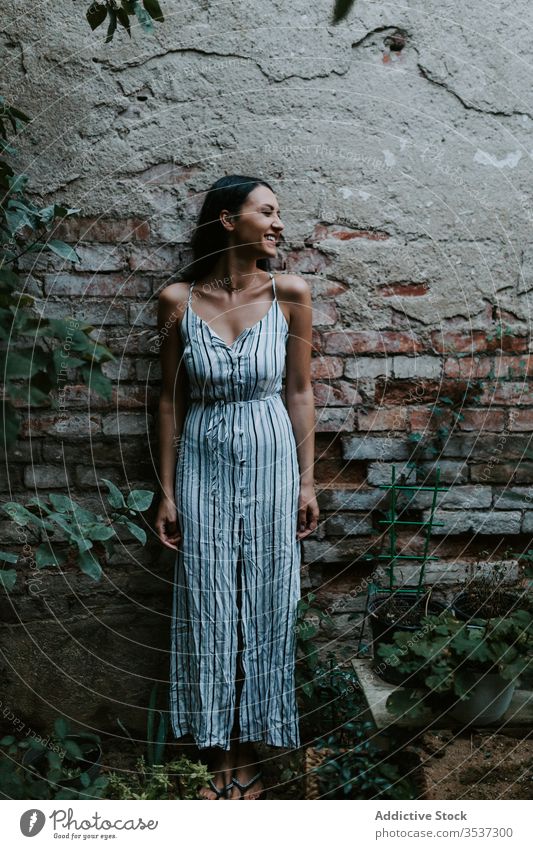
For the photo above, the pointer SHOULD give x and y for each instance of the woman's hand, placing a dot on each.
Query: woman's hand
(308, 511)
(166, 524)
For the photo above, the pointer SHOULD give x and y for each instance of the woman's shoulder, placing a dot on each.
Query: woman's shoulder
(174, 297)
(292, 287)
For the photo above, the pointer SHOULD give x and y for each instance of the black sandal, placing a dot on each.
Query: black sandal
(243, 787)
(221, 792)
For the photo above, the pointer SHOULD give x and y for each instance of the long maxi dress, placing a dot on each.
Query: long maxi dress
(237, 570)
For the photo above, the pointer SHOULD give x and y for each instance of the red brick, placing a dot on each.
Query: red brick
(326, 367)
(521, 420)
(425, 418)
(476, 341)
(371, 342)
(154, 258)
(507, 393)
(103, 230)
(307, 261)
(383, 419)
(328, 446)
(332, 231)
(323, 288)
(342, 394)
(496, 473)
(75, 426)
(467, 367)
(339, 472)
(328, 419)
(98, 285)
(324, 313)
(513, 366)
(408, 391)
(404, 290)
(482, 420)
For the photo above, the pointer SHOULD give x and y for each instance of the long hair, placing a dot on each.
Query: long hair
(209, 238)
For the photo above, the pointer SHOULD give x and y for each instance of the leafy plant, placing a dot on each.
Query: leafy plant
(63, 759)
(37, 353)
(308, 619)
(178, 779)
(119, 12)
(85, 538)
(155, 737)
(440, 660)
(357, 768)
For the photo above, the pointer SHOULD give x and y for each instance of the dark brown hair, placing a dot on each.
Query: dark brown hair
(210, 239)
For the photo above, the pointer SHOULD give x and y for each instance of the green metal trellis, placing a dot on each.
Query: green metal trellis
(392, 556)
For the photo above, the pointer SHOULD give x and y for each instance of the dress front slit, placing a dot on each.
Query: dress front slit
(237, 570)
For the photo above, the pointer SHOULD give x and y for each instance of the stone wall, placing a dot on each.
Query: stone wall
(399, 145)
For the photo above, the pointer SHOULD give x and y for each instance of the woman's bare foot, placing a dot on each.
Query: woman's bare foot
(247, 766)
(220, 763)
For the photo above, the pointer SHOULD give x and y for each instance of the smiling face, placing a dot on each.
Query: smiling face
(258, 225)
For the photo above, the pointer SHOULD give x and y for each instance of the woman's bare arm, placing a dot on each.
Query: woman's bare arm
(172, 408)
(300, 400)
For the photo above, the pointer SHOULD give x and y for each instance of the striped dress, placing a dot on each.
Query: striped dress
(237, 572)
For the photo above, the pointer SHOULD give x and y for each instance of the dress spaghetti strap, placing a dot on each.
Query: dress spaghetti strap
(273, 285)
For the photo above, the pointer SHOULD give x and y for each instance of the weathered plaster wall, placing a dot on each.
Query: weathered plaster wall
(399, 144)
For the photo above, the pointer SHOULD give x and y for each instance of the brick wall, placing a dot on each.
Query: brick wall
(404, 188)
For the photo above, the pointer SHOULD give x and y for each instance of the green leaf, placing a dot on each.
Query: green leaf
(97, 381)
(8, 557)
(7, 741)
(154, 10)
(84, 779)
(115, 497)
(134, 529)
(124, 20)
(61, 727)
(63, 250)
(406, 703)
(100, 532)
(144, 18)
(72, 749)
(18, 513)
(96, 14)
(140, 499)
(90, 566)
(10, 423)
(17, 365)
(112, 25)
(62, 503)
(56, 247)
(46, 556)
(8, 579)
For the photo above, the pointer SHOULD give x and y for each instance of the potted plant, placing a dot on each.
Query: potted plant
(490, 594)
(397, 612)
(470, 671)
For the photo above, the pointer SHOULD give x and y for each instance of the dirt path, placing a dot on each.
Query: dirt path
(478, 765)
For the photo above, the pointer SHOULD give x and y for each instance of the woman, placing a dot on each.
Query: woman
(242, 482)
